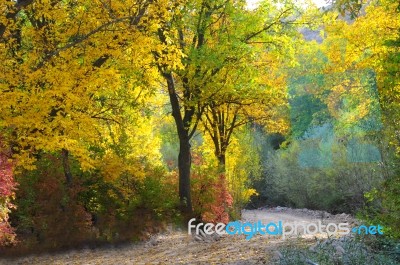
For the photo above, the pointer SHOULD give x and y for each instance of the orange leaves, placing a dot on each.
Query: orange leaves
(212, 199)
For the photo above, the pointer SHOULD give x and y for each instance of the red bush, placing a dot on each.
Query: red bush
(7, 192)
(217, 210)
(210, 194)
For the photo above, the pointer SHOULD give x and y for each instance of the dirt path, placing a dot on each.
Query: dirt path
(177, 247)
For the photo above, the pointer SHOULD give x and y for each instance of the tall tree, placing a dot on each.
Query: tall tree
(69, 72)
(209, 60)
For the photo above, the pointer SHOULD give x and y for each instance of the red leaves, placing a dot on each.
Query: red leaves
(211, 197)
(218, 208)
(7, 183)
(7, 191)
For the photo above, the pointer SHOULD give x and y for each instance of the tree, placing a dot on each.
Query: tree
(75, 84)
(69, 74)
(249, 85)
(212, 74)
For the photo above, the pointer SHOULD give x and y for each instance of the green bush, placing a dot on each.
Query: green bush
(339, 187)
(343, 251)
(384, 206)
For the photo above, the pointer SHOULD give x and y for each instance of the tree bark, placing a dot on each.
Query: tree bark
(184, 165)
(184, 158)
(221, 160)
(67, 170)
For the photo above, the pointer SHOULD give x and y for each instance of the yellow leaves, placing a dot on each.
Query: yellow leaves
(242, 161)
(170, 57)
(348, 50)
(24, 160)
(112, 167)
(350, 100)
(142, 147)
(247, 193)
(334, 99)
(361, 44)
(278, 124)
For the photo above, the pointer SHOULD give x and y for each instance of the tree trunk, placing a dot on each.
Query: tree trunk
(184, 159)
(184, 165)
(221, 160)
(67, 170)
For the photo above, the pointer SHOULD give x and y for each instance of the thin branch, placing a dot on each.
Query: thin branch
(134, 20)
(265, 28)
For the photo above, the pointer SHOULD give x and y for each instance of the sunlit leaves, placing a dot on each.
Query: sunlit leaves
(72, 70)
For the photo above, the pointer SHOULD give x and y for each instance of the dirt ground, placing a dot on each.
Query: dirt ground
(177, 247)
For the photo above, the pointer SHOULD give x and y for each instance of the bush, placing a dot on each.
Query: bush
(384, 206)
(210, 196)
(93, 210)
(346, 251)
(129, 208)
(49, 214)
(339, 187)
(7, 192)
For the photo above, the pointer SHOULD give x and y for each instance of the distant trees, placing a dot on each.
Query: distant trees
(344, 119)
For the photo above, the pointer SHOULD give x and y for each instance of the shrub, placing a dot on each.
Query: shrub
(7, 193)
(49, 214)
(344, 251)
(211, 198)
(339, 187)
(384, 206)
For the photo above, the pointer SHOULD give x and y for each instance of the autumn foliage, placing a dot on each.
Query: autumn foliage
(212, 199)
(219, 209)
(90, 89)
(7, 192)
(90, 211)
